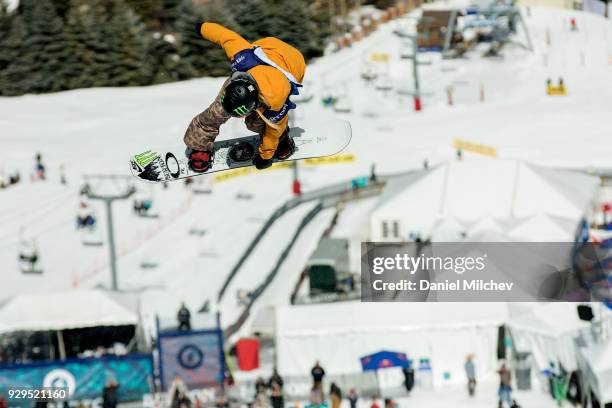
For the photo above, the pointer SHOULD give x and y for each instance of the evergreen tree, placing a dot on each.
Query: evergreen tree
(5, 29)
(169, 15)
(7, 53)
(256, 18)
(40, 65)
(123, 41)
(321, 34)
(13, 74)
(4, 17)
(294, 24)
(80, 29)
(205, 57)
(165, 61)
(62, 7)
(85, 43)
(150, 11)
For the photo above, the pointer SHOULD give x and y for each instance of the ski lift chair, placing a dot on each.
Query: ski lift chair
(29, 260)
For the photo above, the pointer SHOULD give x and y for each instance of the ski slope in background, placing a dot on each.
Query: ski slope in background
(94, 131)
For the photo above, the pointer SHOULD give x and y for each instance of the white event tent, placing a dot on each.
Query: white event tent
(64, 310)
(339, 334)
(460, 200)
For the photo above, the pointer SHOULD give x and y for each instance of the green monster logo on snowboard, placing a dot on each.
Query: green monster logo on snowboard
(145, 158)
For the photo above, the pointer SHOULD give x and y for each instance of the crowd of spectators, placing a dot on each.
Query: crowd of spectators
(270, 393)
(272, 389)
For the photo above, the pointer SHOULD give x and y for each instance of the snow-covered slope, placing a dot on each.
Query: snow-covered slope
(93, 131)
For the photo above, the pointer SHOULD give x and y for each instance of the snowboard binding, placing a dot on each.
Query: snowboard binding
(241, 152)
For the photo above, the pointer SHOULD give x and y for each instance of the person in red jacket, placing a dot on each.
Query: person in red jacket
(264, 75)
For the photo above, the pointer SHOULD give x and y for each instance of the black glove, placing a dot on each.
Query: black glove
(261, 163)
(198, 28)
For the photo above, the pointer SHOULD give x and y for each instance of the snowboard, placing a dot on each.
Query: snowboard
(315, 139)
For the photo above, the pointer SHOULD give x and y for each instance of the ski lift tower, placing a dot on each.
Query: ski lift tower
(413, 39)
(97, 188)
(296, 187)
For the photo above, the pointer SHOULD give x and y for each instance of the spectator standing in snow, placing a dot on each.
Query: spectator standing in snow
(316, 396)
(276, 395)
(260, 386)
(352, 397)
(40, 167)
(408, 377)
(184, 318)
(470, 372)
(62, 175)
(336, 395)
(317, 373)
(177, 388)
(182, 401)
(505, 386)
(260, 401)
(374, 403)
(275, 383)
(109, 394)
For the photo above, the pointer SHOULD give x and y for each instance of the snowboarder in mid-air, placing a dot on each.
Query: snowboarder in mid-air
(264, 75)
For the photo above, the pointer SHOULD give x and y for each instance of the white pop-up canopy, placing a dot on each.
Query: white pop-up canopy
(523, 201)
(64, 310)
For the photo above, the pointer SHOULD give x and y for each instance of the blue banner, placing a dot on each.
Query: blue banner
(85, 378)
(195, 356)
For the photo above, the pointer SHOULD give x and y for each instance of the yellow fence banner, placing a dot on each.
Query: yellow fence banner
(379, 57)
(336, 159)
(243, 171)
(475, 147)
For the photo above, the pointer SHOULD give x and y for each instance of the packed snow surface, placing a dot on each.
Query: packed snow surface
(187, 252)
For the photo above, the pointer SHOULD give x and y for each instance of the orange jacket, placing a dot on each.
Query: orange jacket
(274, 87)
